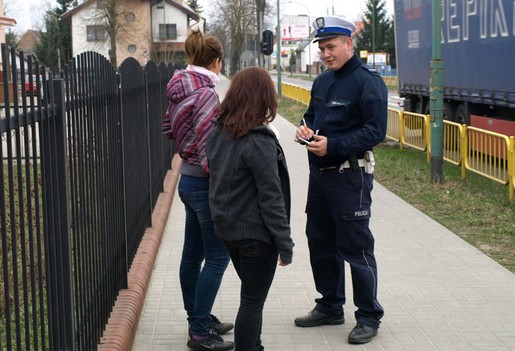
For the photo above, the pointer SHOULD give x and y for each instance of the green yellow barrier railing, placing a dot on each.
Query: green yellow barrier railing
(487, 154)
(452, 142)
(491, 155)
(511, 166)
(415, 130)
(393, 128)
(390, 81)
(296, 93)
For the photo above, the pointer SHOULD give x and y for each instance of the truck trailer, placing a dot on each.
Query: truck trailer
(478, 53)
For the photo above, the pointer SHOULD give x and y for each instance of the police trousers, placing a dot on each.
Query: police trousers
(338, 215)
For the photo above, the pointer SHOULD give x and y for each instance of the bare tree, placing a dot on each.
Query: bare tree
(239, 19)
(220, 31)
(11, 10)
(239, 24)
(110, 16)
(36, 12)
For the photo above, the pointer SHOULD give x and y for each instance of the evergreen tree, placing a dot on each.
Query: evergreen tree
(195, 6)
(64, 28)
(293, 61)
(11, 38)
(54, 47)
(377, 34)
(46, 50)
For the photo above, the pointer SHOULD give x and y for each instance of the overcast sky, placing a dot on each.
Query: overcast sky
(29, 13)
(351, 9)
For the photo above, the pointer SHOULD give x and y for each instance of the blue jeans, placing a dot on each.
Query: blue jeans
(200, 283)
(255, 262)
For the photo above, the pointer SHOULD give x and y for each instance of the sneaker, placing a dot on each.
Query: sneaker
(361, 334)
(209, 343)
(219, 327)
(315, 318)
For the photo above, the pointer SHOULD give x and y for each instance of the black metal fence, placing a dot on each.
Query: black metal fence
(83, 162)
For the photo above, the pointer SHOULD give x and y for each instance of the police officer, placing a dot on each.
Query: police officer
(345, 119)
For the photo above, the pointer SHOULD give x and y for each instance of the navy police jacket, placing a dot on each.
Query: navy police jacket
(349, 107)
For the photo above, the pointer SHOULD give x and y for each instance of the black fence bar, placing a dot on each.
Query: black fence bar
(169, 148)
(23, 308)
(83, 161)
(136, 154)
(57, 226)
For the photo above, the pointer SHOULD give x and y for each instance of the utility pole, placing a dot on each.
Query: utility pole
(261, 11)
(374, 5)
(436, 98)
(278, 54)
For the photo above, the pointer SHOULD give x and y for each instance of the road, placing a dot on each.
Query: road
(394, 100)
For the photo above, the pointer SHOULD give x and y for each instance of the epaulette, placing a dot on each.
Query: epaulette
(371, 70)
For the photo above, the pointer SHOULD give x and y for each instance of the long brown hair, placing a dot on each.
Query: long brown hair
(249, 102)
(202, 49)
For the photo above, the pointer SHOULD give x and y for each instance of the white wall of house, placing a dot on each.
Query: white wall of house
(2, 29)
(137, 34)
(80, 42)
(170, 15)
(133, 39)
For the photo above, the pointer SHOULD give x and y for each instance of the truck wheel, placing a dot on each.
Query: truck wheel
(427, 108)
(451, 142)
(448, 112)
(462, 116)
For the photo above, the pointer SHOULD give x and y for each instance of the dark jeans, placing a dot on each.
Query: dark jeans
(199, 283)
(255, 262)
(338, 215)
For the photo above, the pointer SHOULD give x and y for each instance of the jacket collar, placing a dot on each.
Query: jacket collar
(349, 66)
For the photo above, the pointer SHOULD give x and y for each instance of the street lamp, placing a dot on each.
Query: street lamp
(308, 64)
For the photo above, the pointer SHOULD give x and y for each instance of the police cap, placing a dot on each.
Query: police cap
(331, 26)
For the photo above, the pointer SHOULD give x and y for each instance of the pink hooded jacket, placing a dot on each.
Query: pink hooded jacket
(192, 106)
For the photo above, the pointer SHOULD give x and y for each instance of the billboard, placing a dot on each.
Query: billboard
(294, 31)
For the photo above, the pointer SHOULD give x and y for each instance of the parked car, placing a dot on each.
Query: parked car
(33, 83)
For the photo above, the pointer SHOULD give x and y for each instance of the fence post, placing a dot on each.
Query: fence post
(511, 167)
(464, 150)
(57, 226)
(427, 141)
(401, 129)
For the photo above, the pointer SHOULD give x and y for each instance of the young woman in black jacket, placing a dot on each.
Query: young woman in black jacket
(249, 195)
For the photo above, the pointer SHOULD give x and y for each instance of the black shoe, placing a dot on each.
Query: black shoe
(210, 342)
(315, 318)
(361, 334)
(219, 327)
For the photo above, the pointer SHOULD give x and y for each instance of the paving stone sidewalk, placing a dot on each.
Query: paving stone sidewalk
(438, 292)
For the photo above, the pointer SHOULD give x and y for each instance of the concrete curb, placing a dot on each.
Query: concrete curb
(123, 322)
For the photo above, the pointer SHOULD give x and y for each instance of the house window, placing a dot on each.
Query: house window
(130, 17)
(96, 33)
(168, 31)
(131, 48)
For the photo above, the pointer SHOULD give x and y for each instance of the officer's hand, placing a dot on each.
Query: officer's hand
(318, 146)
(303, 133)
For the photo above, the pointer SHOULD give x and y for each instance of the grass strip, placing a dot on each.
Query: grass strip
(475, 208)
